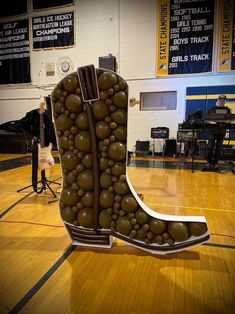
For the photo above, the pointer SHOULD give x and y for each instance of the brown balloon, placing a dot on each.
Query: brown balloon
(124, 225)
(106, 80)
(70, 83)
(67, 214)
(86, 180)
(104, 219)
(178, 230)
(197, 228)
(73, 103)
(85, 216)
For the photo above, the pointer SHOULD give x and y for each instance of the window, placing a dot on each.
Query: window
(158, 101)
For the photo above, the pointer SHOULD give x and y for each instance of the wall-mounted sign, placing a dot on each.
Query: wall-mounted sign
(226, 60)
(14, 52)
(185, 37)
(55, 30)
(64, 66)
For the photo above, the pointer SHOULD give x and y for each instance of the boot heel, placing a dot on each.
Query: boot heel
(88, 237)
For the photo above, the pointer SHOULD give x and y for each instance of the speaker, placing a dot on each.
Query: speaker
(170, 148)
(184, 136)
(108, 62)
(142, 148)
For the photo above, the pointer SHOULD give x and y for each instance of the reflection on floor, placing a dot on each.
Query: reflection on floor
(166, 163)
(18, 162)
(139, 162)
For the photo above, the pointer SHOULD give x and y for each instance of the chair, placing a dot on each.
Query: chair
(142, 148)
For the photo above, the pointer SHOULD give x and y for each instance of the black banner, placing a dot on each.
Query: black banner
(51, 31)
(226, 55)
(14, 52)
(185, 36)
(233, 42)
(44, 4)
(13, 7)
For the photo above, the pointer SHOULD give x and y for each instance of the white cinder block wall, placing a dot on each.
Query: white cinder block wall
(127, 29)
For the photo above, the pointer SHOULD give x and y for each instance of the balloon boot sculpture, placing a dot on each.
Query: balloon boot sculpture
(98, 203)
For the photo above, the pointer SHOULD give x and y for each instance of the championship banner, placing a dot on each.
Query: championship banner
(53, 31)
(13, 7)
(184, 36)
(44, 4)
(226, 60)
(14, 52)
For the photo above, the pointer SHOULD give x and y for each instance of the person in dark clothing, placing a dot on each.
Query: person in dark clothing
(217, 136)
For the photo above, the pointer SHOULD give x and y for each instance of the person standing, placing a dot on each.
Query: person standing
(216, 136)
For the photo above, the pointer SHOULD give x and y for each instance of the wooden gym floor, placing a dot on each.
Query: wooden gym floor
(41, 272)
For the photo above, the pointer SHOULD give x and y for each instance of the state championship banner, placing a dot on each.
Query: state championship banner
(184, 36)
(53, 31)
(226, 61)
(14, 52)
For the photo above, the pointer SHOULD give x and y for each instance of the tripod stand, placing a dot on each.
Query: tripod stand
(226, 167)
(44, 182)
(229, 165)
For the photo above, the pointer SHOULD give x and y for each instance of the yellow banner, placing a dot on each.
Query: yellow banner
(225, 35)
(163, 37)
